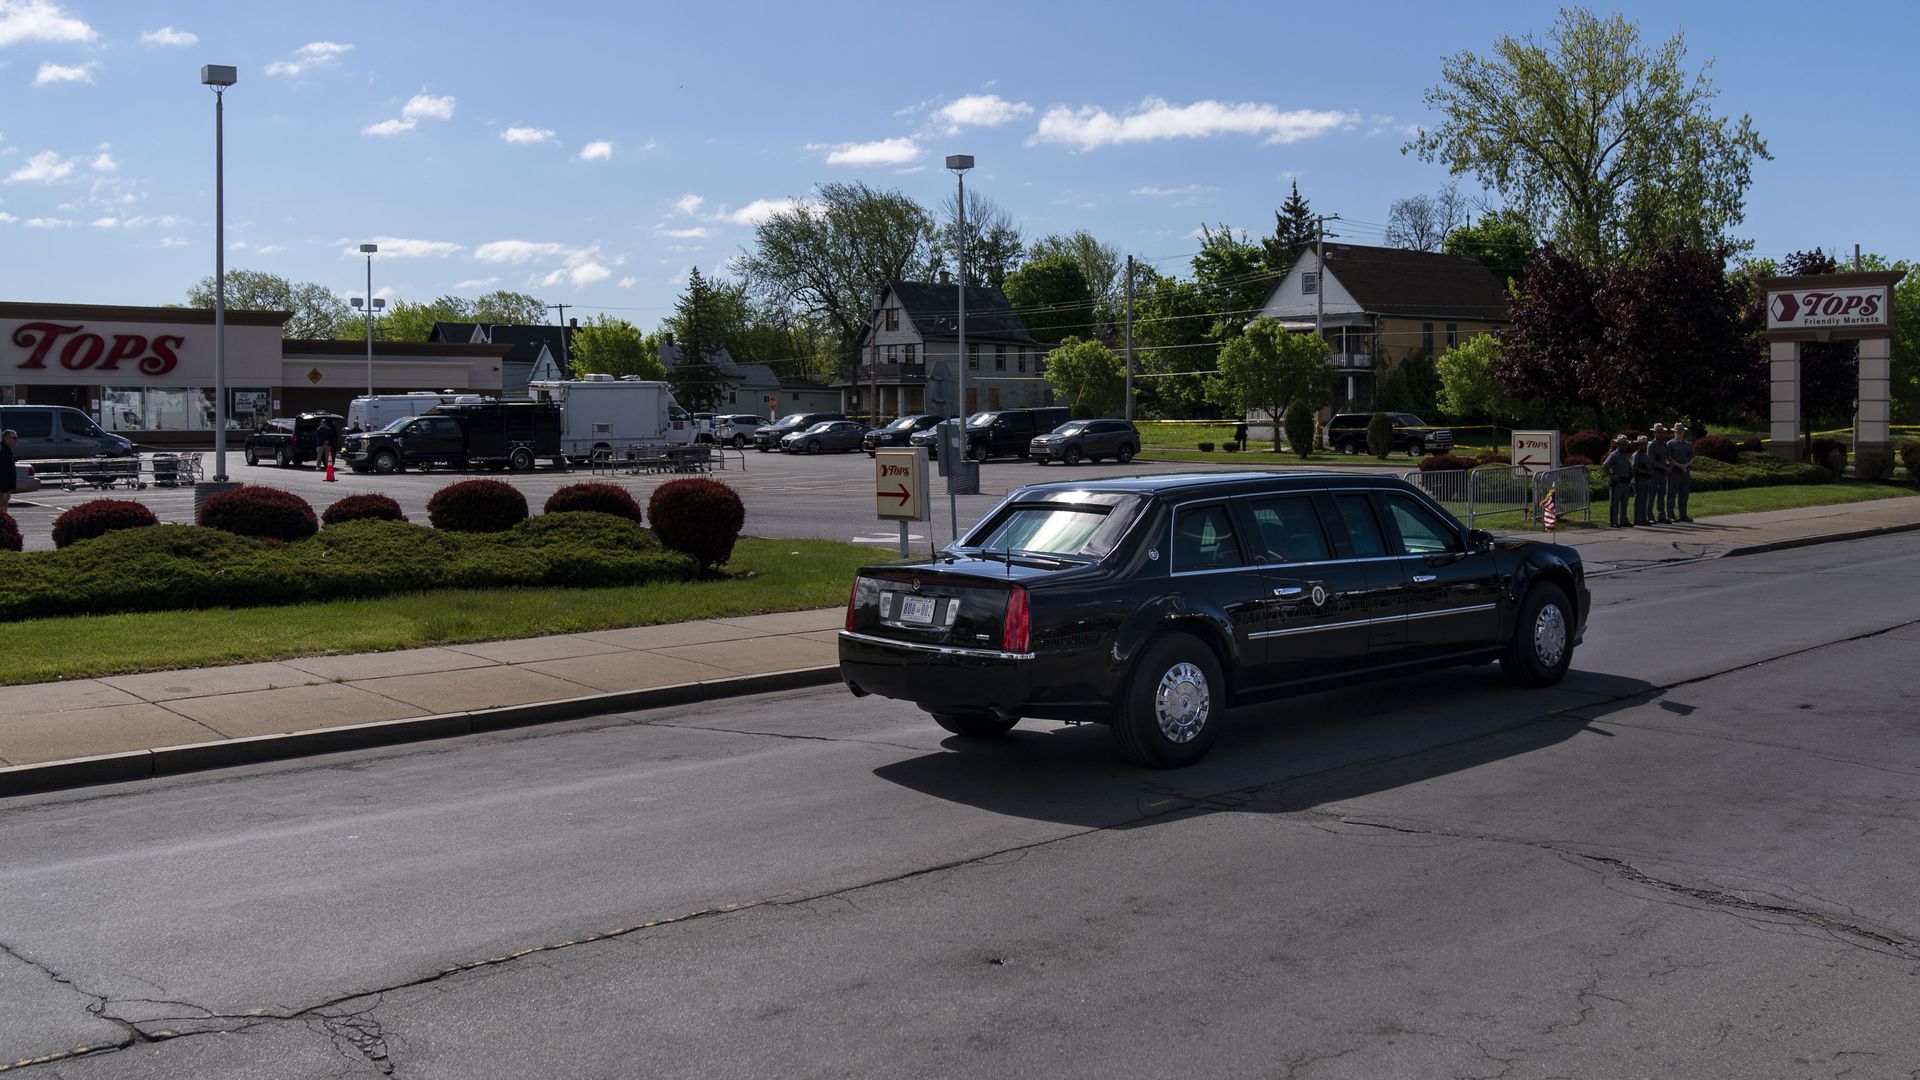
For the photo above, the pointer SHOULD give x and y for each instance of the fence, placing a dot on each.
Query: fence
(1474, 495)
(1571, 487)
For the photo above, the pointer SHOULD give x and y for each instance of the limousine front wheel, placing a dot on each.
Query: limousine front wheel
(976, 725)
(1542, 645)
(1172, 710)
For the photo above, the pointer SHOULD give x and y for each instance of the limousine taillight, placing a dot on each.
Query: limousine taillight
(1015, 630)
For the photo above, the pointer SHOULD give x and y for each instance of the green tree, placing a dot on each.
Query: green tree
(1412, 386)
(1468, 390)
(1268, 366)
(605, 345)
(822, 258)
(700, 336)
(316, 312)
(1602, 144)
(506, 308)
(1089, 375)
(405, 321)
(994, 245)
(1171, 320)
(1100, 265)
(1501, 240)
(1292, 233)
(1052, 298)
(1905, 386)
(1380, 435)
(1233, 280)
(1301, 422)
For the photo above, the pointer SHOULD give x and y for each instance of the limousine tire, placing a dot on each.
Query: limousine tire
(1172, 710)
(976, 725)
(1542, 645)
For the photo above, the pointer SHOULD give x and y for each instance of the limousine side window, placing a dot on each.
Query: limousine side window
(1290, 530)
(1357, 513)
(1203, 539)
(1420, 532)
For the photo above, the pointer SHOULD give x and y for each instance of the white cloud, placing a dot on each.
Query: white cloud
(515, 251)
(48, 223)
(581, 274)
(105, 162)
(269, 249)
(628, 282)
(400, 247)
(688, 204)
(51, 72)
(45, 167)
(981, 110)
(1170, 192)
(105, 222)
(527, 135)
(1088, 128)
(476, 283)
(878, 152)
(697, 232)
(6, 218)
(172, 242)
(910, 170)
(424, 106)
(40, 20)
(237, 245)
(388, 127)
(167, 35)
(165, 221)
(757, 211)
(601, 150)
(313, 54)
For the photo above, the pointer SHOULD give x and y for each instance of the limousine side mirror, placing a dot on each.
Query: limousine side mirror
(1479, 540)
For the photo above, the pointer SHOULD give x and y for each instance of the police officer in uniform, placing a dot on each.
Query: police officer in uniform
(1618, 467)
(1642, 462)
(1680, 480)
(1662, 469)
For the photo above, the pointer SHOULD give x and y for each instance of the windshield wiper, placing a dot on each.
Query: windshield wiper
(1007, 555)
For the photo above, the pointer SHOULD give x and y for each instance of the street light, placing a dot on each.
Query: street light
(219, 77)
(372, 305)
(963, 476)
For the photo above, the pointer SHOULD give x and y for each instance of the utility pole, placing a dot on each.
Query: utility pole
(1320, 288)
(1129, 338)
(566, 359)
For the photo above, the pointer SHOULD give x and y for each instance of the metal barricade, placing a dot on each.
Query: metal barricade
(1496, 491)
(1448, 487)
(601, 460)
(1572, 488)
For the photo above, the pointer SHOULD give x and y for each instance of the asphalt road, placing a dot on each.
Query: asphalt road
(824, 497)
(1694, 858)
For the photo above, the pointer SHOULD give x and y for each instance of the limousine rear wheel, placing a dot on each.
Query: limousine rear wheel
(1172, 710)
(976, 725)
(1542, 645)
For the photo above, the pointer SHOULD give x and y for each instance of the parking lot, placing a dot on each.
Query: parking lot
(824, 496)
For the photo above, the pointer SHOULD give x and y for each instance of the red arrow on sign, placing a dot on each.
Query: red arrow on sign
(1528, 462)
(903, 494)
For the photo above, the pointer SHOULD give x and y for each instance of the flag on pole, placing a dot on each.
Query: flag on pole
(1549, 510)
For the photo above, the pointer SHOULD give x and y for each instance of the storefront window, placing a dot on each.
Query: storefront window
(121, 408)
(178, 408)
(249, 409)
(6, 395)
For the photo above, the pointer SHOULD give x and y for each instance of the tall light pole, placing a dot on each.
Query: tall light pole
(219, 77)
(961, 479)
(368, 250)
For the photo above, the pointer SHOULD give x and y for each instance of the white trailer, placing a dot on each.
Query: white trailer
(376, 412)
(600, 412)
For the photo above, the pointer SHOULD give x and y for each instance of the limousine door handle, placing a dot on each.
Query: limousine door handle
(1286, 591)
(1422, 579)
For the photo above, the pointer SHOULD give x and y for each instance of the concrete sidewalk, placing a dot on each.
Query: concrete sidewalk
(131, 726)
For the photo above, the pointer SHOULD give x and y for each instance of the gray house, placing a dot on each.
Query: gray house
(909, 354)
(533, 352)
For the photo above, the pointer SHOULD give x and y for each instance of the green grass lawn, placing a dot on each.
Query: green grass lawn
(1261, 455)
(771, 575)
(1793, 496)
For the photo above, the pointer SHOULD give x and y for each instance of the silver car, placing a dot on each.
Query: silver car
(842, 435)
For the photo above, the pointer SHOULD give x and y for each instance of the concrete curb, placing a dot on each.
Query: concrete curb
(1827, 538)
(223, 753)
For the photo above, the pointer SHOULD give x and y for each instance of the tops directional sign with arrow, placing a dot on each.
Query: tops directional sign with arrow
(1535, 451)
(900, 484)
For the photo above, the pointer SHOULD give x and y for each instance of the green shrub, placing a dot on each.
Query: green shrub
(1829, 454)
(1755, 470)
(1302, 428)
(1230, 447)
(369, 506)
(477, 506)
(1204, 447)
(699, 516)
(98, 517)
(1910, 457)
(10, 538)
(1873, 464)
(598, 496)
(1380, 435)
(264, 512)
(1719, 448)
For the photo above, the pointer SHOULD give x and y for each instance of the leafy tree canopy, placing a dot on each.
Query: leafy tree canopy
(1292, 233)
(605, 345)
(1468, 390)
(1501, 240)
(316, 311)
(1100, 265)
(1089, 375)
(1267, 367)
(1051, 296)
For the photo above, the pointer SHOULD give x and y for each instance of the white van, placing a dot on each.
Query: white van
(60, 431)
(376, 412)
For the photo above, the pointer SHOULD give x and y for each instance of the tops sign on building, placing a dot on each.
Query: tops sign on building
(1823, 307)
(81, 351)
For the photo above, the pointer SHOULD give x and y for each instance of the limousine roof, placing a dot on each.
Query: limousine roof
(1225, 483)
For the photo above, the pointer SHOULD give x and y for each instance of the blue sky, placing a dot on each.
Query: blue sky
(590, 152)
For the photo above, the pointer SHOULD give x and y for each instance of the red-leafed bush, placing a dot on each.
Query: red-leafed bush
(91, 519)
(1443, 462)
(1577, 459)
(10, 538)
(1752, 445)
(477, 506)
(1910, 457)
(371, 506)
(1829, 454)
(599, 497)
(1493, 459)
(1873, 463)
(1719, 448)
(1587, 444)
(698, 516)
(263, 512)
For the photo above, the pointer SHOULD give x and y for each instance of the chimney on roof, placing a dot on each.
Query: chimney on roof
(573, 324)
(946, 278)
(667, 339)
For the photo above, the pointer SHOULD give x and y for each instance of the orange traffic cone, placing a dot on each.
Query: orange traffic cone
(330, 469)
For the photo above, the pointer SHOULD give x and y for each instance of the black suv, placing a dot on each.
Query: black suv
(899, 432)
(1090, 440)
(1000, 432)
(1411, 435)
(768, 436)
(289, 440)
(1154, 604)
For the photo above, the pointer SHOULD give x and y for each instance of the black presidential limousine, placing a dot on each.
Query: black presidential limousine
(1153, 603)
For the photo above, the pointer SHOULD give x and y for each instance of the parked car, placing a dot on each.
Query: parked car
(736, 429)
(60, 431)
(704, 425)
(1000, 432)
(288, 440)
(768, 437)
(1086, 439)
(841, 435)
(513, 435)
(899, 432)
(1154, 604)
(1412, 436)
(25, 480)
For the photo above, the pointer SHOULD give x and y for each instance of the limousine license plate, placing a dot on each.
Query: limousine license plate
(917, 609)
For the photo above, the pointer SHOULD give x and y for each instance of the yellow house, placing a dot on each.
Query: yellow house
(1378, 306)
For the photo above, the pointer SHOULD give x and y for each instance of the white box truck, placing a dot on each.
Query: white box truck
(376, 412)
(600, 412)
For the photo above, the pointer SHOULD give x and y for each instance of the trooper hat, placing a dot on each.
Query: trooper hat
(1638, 439)
(1659, 427)
(1621, 440)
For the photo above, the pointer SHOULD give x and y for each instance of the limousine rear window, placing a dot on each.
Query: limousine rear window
(1083, 530)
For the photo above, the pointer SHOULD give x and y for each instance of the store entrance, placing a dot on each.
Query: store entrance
(78, 397)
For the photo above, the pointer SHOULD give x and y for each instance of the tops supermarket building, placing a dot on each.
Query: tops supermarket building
(147, 372)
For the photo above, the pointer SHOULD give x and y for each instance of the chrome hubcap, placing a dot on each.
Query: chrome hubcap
(1550, 635)
(1181, 702)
